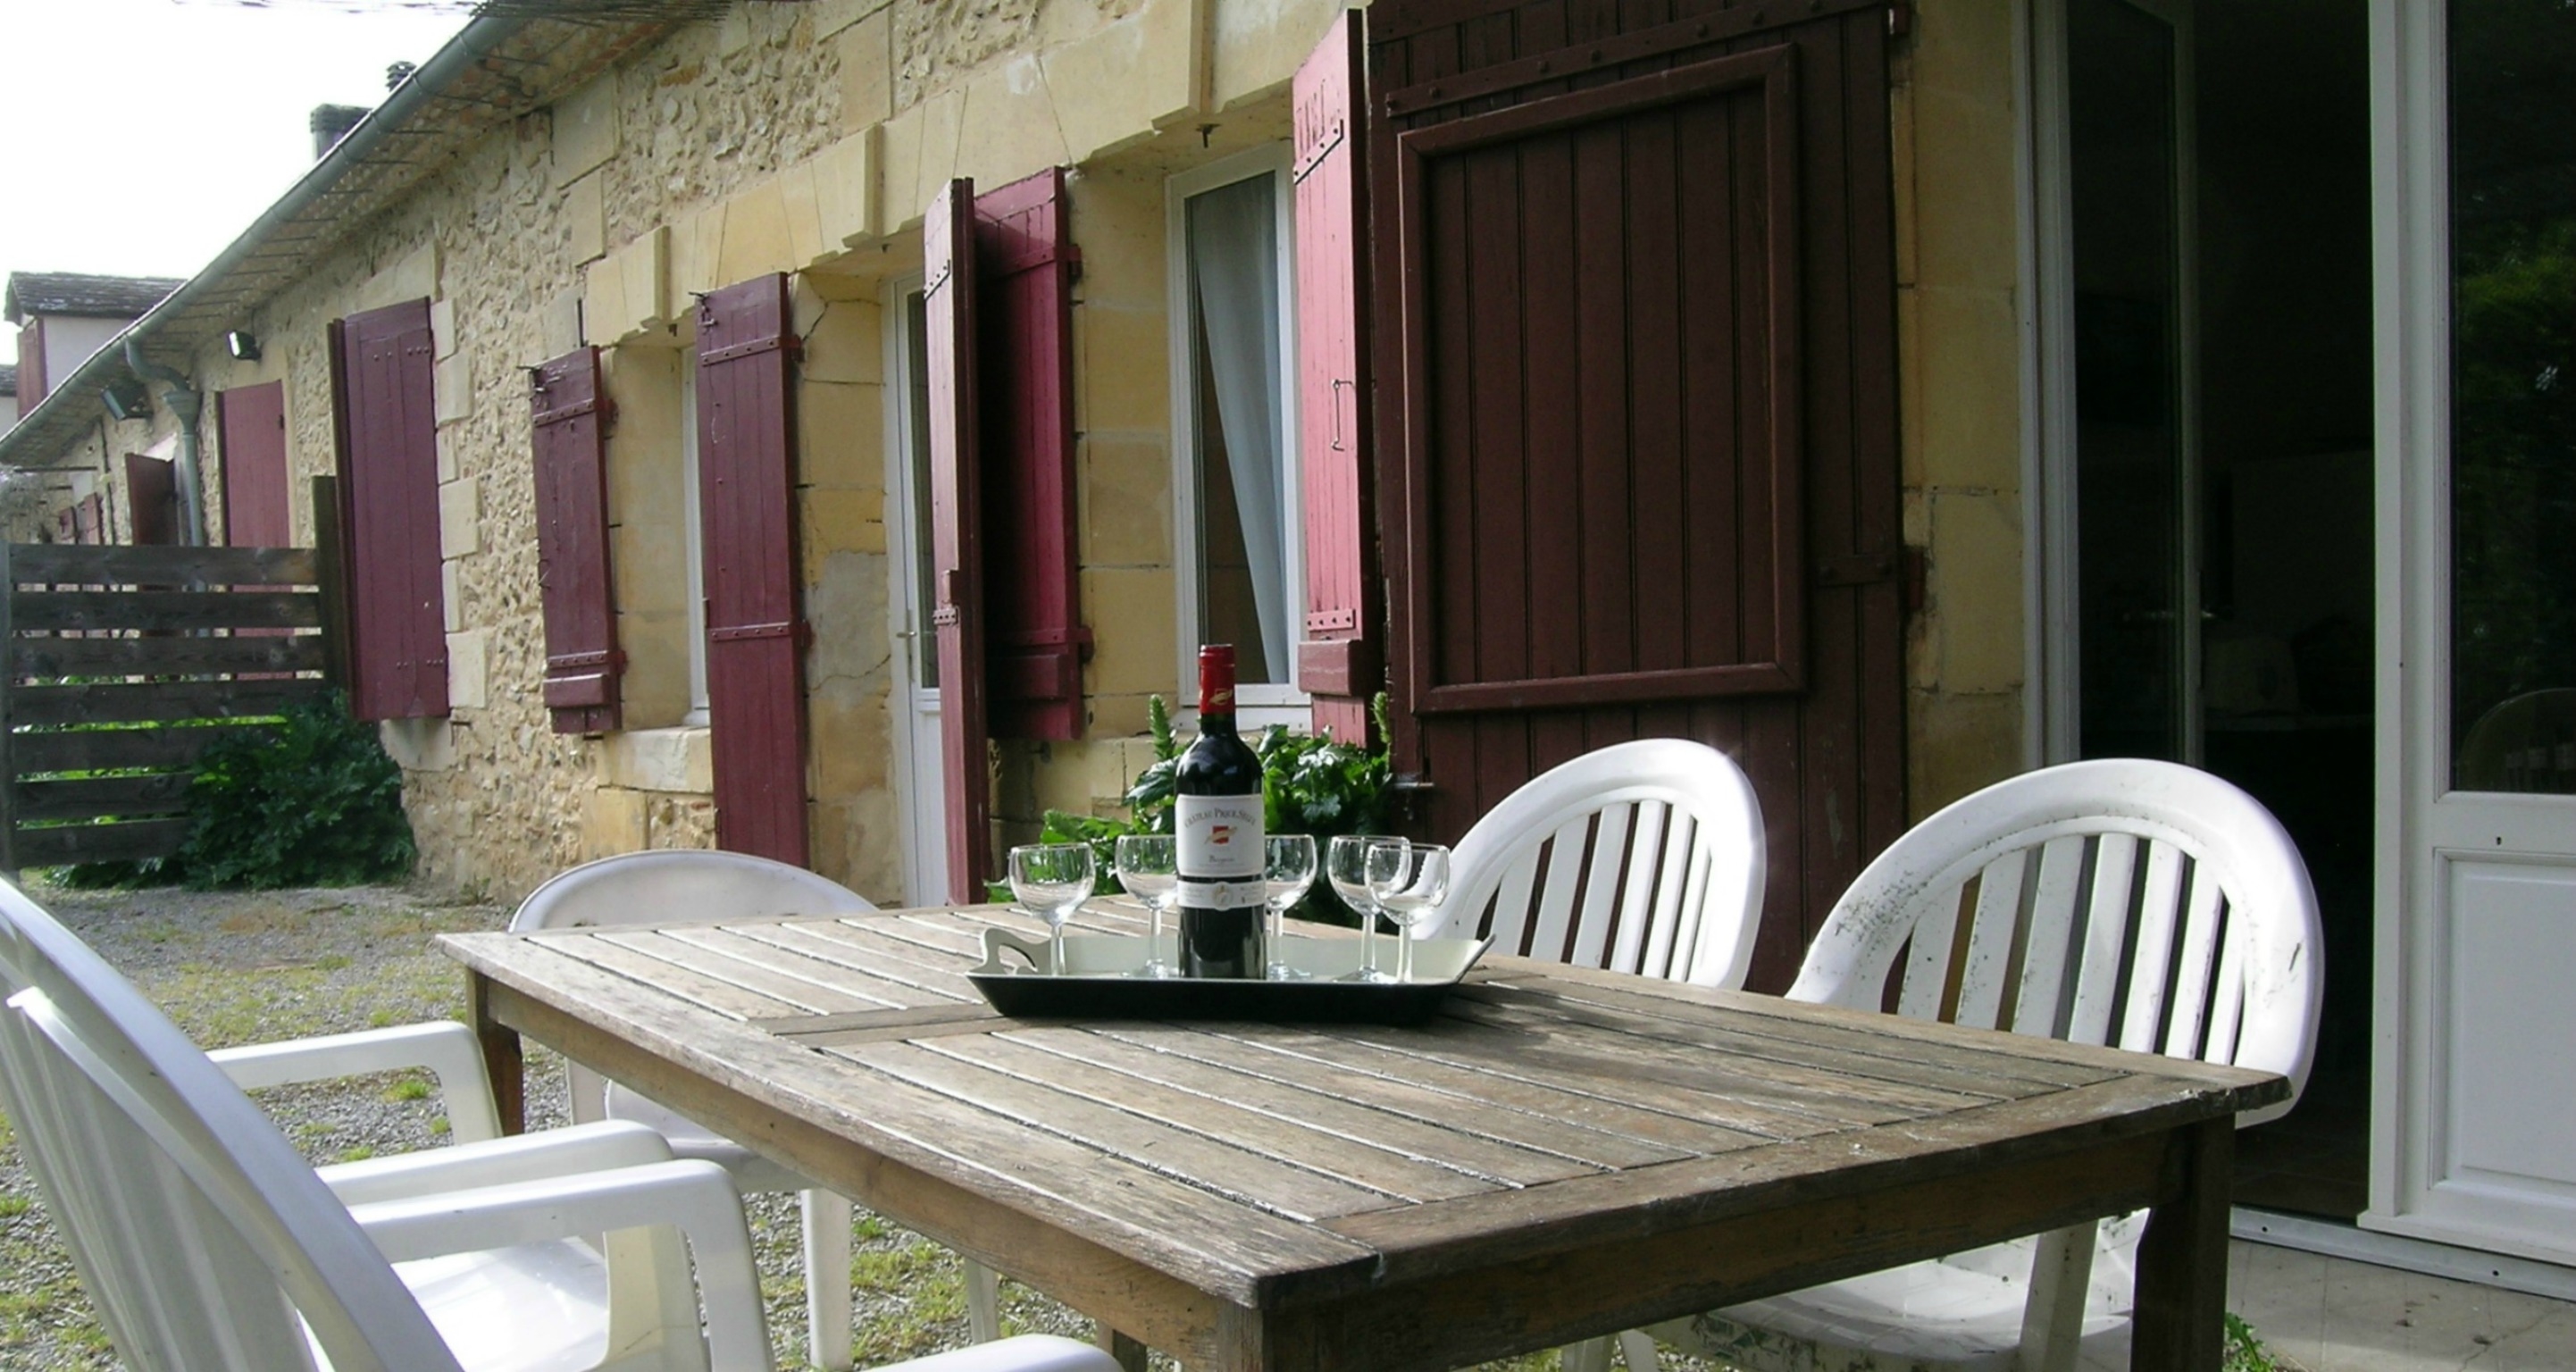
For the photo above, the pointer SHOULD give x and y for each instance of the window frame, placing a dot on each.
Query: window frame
(1258, 704)
(693, 543)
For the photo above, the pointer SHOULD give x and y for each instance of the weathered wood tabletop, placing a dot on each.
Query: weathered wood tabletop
(1563, 1153)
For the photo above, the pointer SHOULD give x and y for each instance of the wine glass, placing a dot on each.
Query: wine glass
(1051, 881)
(1285, 877)
(1346, 866)
(1408, 881)
(1149, 867)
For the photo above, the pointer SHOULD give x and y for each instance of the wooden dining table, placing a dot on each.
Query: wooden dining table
(1560, 1153)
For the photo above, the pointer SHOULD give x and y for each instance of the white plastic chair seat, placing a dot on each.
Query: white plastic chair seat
(531, 1307)
(751, 1172)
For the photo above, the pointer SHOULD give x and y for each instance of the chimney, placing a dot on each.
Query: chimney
(398, 72)
(331, 123)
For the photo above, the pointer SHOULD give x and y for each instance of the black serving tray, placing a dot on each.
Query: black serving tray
(1099, 980)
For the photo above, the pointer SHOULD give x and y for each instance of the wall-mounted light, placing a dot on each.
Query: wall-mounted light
(243, 344)
(126, 398)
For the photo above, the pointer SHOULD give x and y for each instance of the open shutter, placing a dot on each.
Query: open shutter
(89, 521)
(152, 498)
(389, 484)
(957, 588)
(582, 661)
(1034, 639)
(252, 421)
(1339, 660)
(31, 368)
(746, 499)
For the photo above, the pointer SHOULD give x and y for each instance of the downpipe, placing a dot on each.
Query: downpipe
(187, 404)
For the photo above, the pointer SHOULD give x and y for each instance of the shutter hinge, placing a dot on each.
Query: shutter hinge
(1900, 19)
(750, 347)
(782, 629)
(1315, 156)
(565, 662)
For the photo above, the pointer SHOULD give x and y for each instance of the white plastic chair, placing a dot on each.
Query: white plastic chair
(2141, 905)
(1642, 857)
(207, 1243)
(676, 886)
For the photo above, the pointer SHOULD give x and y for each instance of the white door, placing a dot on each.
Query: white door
(914, 698)
(2474, 1127)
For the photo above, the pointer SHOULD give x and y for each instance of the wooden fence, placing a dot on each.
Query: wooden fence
(123, 664)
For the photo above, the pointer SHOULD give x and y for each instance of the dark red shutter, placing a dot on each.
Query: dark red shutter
(389, 486)
(31, 367)
(746, 502)
(152, 498)
(63, 530)
(1034, 639)
(1339, 660)
(582, 661)
(252, 421)
(957, 587)
(89, 519)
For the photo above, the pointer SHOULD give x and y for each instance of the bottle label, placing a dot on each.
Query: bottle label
(1221, 895)
(1220, 841)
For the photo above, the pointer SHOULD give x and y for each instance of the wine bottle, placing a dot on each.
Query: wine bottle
(1218, 816)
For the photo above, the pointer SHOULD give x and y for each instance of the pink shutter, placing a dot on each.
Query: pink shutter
(957, 604)
(151, 500)
(746, 500)
(389, 486)
(252, 422)
(582, 661)
(1339, 659)
(1034, 638)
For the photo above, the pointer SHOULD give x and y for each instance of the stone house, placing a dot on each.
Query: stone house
(2075, 375)
(63, 319)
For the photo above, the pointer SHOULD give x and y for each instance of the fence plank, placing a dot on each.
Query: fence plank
(160, 793)
(44, 657)
(167, 610)
(9, 711)
(70, 843)
(67, 564)
(121, 703)
(91, 750)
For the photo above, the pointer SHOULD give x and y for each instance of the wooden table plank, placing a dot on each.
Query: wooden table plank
(644, 972)
(744, 956)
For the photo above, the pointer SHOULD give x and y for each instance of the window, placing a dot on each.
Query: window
(1237, 545)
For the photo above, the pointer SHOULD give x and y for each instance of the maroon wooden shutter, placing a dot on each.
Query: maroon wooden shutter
(89, 520)
(1034, 638)
(63, 530)
(31, 367)
(1339, 660)
(389, 487)
(252, 422)
(582, 661)
(957, 587)
(746, 500)
(152, 498)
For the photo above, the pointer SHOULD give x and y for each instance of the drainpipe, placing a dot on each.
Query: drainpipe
(187, 404)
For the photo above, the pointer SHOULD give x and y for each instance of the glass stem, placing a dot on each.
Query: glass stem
(1403, 953)
(1154, 937)
(1368, 941)
(1055, 948)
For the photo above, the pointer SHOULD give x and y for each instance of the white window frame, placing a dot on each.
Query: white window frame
(1262, 704)
(693, 545)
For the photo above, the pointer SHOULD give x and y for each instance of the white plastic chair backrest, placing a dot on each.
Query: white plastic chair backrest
(2139, 904)
(672, 886)
(192, 1221)
(1643, 857)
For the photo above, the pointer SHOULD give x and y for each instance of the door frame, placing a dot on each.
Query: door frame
(2052, 601)
(919, 784)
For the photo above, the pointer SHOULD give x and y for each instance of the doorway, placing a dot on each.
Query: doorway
(913, 698)
(2208, 296)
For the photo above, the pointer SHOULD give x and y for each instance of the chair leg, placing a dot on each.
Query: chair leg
(983, 1302)
(1591, 1355)
(827, 1279)
(2061, 1276)
(1637, 1349)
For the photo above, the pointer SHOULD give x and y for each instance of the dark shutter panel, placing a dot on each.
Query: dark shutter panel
(1339, 660)
(31, 367)
(252, 421)
(389, 476)
(89, 521)
(63, 530)
(1034, 637)
(582, 661)
(152, 498)
(957, 589)
(746, 502)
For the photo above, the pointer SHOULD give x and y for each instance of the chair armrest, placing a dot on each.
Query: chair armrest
(694, 1197)
(448, 1049)
(497, 1162)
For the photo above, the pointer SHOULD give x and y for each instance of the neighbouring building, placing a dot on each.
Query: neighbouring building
(822, 427)
(8, 397)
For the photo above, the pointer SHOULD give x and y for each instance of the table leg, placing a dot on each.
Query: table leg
(502, 1062)
(1129, 1353)
(2181, 1317)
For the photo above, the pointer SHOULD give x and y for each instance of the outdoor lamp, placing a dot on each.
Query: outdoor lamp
(242, 344)
(126, 398)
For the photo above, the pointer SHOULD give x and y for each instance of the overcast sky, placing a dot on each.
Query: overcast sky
(145, 135)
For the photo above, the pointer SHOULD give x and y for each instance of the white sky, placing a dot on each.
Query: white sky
(145, 135)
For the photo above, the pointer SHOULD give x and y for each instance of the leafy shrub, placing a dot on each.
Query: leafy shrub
(1310, 784)
(317, 803)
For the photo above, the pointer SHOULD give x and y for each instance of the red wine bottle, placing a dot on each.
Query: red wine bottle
(1218, 816)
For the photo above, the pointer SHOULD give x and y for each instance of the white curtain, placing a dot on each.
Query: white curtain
(1234, 259)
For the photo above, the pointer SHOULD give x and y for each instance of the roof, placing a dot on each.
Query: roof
(517, 56)
(96, 297)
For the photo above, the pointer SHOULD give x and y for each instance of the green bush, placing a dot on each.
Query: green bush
(317, 803)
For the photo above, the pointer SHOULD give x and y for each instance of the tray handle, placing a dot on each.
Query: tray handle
(1038, 954)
